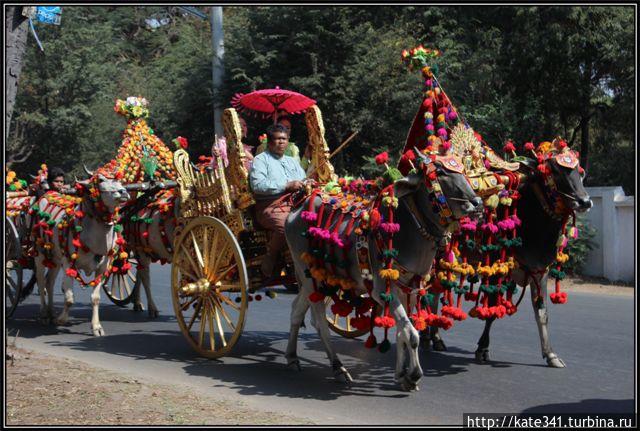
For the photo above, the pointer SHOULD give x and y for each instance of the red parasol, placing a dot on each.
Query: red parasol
(272, 101)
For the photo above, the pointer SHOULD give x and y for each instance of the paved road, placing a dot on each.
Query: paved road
(594, 334)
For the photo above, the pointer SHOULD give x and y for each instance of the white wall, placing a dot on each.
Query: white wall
(613, 217)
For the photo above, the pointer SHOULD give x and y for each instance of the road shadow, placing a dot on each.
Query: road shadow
(455, 360)
(591, 406)
(256, 365)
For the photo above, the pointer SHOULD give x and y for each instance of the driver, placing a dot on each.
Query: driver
(273, 176)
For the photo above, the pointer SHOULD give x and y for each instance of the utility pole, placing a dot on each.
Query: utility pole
(217, 35)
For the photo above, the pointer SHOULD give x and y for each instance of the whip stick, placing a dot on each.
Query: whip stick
(336, 151)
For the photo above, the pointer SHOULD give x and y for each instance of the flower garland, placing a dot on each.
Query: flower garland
(65, 212)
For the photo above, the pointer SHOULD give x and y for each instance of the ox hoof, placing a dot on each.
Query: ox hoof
(555, 362)
(482, 355)
(98, 331)
(409, 385)
(153, 314)
(61, 321)
(46, 318)
(138, 307)
(294, 363)
(341, 374)
(439, 346)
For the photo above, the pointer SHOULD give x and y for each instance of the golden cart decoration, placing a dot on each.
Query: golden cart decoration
(217, 248)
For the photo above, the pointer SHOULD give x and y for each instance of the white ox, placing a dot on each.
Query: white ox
(98, 237)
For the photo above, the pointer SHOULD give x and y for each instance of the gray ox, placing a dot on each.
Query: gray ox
(540, 232)
(416, 253)
(97, 235)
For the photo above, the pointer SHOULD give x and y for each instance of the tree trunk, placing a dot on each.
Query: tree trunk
(16, 31)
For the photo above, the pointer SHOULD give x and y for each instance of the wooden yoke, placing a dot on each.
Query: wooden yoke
(320, 165)
(237, 175)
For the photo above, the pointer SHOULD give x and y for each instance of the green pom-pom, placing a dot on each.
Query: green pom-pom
(391, 253)
(330, 185)
(118, 228)
(386, 297)
(148, 220)
(135, 218)
(557, 274)
(470, 244)
(384, 346)
(151, 131)
(473, 278)
(78, 228)
(394, 174)
(51, 222)
(460, 290)
(12, 187)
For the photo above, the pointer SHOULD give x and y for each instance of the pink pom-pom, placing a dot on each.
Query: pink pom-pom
(506, 225)
(451, 257)
(487, 165)
(442, 131)
(430, 127)
(516, 220)
(490, 227)
(529, 146)
(309, 216)
(428, 83)
(337, 240)
(453, 115)
(446, 145)
(390, 227)
(565, 242)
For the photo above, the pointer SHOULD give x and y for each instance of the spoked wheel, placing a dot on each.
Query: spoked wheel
(209, 285)
(120, 288)
(13, 269)
(342, 325)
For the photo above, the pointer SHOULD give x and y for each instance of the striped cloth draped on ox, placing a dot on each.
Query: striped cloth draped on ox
(269, 176)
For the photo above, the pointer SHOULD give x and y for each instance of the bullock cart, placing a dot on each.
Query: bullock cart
(218, 247)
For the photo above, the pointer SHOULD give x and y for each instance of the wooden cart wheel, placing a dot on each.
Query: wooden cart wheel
(342, 325)
(120, 288)
(13, 269)
(209, 285)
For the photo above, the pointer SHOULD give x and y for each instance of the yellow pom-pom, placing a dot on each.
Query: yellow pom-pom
(389, 274)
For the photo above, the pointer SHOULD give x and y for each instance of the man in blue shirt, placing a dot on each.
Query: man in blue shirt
(272, 177)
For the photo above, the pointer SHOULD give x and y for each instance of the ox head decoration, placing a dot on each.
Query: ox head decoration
(447, 186)
(108, 194)
(560, 169)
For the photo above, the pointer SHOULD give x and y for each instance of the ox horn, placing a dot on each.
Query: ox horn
(90, 173)
(424, 159)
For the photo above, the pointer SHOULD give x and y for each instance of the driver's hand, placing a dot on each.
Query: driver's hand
(293, 186)
(310, 182)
